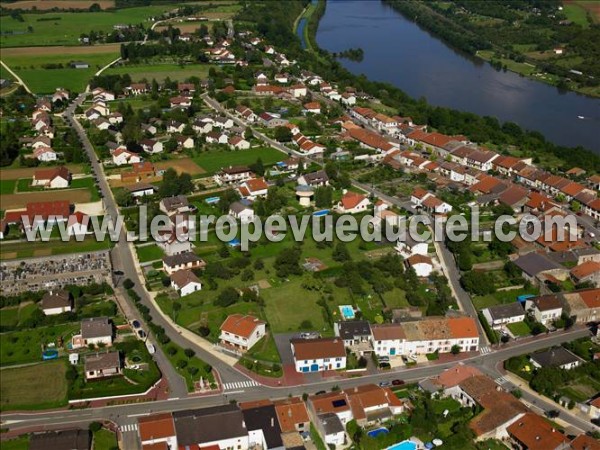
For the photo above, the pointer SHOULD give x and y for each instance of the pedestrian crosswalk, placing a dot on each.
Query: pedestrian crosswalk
(501, 380)
(129, 427)
(239, 385)
(485, 349)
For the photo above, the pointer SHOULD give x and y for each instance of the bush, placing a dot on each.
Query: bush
(128, 284)
(95, 427)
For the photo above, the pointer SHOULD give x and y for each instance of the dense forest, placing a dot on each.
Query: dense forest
(275, 21)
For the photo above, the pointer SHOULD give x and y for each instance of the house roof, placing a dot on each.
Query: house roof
(312, 105)
(585, 442)
(370, 139)
(513, 196)
(534, 263)
(184, 277)
(535, 433)
(331, 423)
(364, 399)
(546, 302)
(175, 202)
(591, 297)
(555, 357)
(96, 327)
(388, 332)
(290, 412)
(351, 200)
(256, 184)
(56, 299)
(320, 176)
(62, 439)
(264, 418)
(241, 325)
(102, 361)
(585, 269)
(332, 402)
(455, 375)
(199, 426)
(181, 258)
(418, 259)
(238, 207)
(305, 349)
(156, 427)
(51, 174)
(233, 170)
(506, 311)
(351, 328)
(59, 208)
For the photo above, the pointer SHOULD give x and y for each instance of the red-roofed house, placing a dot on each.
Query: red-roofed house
(253, 188)
(353, 203)
(532, 432)
(242, 332)
(54, 178)
(157, 429)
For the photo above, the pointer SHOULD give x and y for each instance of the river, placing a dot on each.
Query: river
(398, 51)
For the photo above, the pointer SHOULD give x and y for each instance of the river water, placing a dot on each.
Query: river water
(396, 50)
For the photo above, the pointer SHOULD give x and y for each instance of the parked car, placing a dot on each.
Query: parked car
(142, 334)
(321, 393)
(384, 383)
(136, 324)
(397, 382)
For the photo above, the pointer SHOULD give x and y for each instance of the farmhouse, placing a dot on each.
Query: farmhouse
(102, 365)
(317, 355)
(242, 332)
(56, 302)
(55, 178)
(185, 282)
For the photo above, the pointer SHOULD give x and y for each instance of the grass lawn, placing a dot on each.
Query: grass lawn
(149, 253)
(12, 316)
(105, 440)
(265, 350)
(576, 14)
(213, 161)
(501, 297)
(7, 186)
(20, 443)
(21, 347)
(17, 392)
(191, 369)
(161, 71)
(32, 249)
(66, 27)
(519, 329)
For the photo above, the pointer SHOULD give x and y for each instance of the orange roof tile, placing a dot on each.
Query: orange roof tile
(240, 325)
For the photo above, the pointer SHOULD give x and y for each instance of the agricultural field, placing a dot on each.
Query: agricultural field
(181, 165)
(42, 5)
(160, 72)
(13, 316)
(65, 28)
(213, 161)
(17, 201)
(29, 63)
(27, 172)
(16, 389)
(10, 250)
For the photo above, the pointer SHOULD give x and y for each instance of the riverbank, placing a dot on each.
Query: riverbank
(553, 66)
(306, 24)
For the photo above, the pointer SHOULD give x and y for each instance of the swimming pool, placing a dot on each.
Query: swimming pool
(323, 212)
(404, 445)
(49, 354)
(235, 242)
(377, 432)
(211, 200)
(347, 311)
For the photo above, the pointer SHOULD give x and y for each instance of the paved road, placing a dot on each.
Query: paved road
(124, 260)
(128, 414)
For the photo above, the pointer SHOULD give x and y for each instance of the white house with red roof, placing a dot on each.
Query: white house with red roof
(54, 178)
(238, 143)
(253, 188)
(242, 332)
(122, 156)
(312, 108)
(353, 202)
(45, 154)
(298, 90)
(421, 264)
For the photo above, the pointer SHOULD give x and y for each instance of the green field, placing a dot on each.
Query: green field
(7, 186)
(21, 347)
(576, 14)
(10, 250)
(28, 64)
(12, 316)
(501, 297)
(22, 388)
(519, 329)
(20, 443)
(213, 161)
(161, 71)
(149, 253)
(67, 27)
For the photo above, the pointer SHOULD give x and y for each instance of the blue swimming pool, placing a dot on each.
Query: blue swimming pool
(347, 311)
(323, 212)
(377, 432)
(49, 354)
(211, 200)
(404, 445)
(234, 242)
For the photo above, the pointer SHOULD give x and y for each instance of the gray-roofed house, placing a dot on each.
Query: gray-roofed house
(242, 211)
(353, 332)
(56, 302)
(332, 428)
(220, 425)
(96, 331)
(176, 204)
(545, 309)
(182, 261)
(76, 439)
(534, 264)
(556, 357)
(102, 365)
(500, 315)
(318, 178)
(263, 418)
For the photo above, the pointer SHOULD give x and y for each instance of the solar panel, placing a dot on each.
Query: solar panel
(339, 403)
